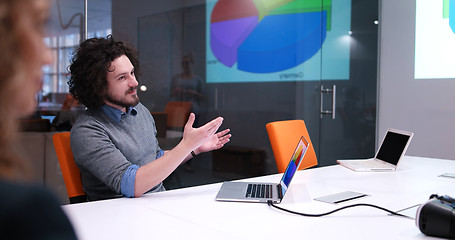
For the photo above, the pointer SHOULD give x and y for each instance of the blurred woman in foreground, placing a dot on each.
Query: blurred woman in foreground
(27, 211)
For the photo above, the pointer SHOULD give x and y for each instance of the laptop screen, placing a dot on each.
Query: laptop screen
(50, 117)
(393, 146)
(294, 163)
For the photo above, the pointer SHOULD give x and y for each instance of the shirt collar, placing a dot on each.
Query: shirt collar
(116, 114)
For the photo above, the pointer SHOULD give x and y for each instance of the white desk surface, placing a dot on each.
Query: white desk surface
(193, 213)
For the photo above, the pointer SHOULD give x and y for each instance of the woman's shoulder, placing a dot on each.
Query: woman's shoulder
(34, 211)
(19, 196)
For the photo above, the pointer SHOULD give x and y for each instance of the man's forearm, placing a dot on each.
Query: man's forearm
(155, 172)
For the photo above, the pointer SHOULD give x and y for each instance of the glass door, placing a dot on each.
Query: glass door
(348, 101)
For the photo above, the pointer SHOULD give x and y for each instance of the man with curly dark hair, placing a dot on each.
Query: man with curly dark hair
(114, 141)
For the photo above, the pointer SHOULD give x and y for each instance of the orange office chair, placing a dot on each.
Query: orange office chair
(70, 171)
(177, 114)
(283, 136)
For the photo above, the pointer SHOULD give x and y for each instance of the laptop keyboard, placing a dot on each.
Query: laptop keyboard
(259, 191)
(370, 164)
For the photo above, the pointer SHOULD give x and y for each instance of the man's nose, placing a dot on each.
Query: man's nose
(133, 82)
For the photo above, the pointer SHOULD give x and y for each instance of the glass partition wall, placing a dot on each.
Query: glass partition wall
(254, 62)
(65, 30)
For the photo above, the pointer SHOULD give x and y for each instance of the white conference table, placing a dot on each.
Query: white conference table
(193, 213)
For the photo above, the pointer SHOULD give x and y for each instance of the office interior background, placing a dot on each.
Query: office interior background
(346, 116)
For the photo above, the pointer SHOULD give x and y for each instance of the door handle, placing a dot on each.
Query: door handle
(334, 94)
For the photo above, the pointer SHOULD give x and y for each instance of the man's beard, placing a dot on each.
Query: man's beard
(122, 103)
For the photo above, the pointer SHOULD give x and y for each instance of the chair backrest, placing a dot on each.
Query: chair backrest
(177, 113)
(35, 125)
(70, 171)
(283, 136)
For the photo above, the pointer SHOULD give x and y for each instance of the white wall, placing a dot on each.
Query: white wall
(425, 107)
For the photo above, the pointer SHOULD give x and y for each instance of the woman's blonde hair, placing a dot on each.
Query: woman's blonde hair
(12, 67)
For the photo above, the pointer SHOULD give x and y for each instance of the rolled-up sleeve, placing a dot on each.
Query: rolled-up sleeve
(128, 180)
(159, 154)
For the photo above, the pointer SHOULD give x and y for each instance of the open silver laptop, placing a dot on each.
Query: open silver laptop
(264, 192)
(392, 149)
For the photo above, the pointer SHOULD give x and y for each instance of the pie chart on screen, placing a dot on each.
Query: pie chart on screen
(298, 153)
(265, 36)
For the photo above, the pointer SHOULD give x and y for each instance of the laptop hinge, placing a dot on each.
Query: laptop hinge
(280, 192)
